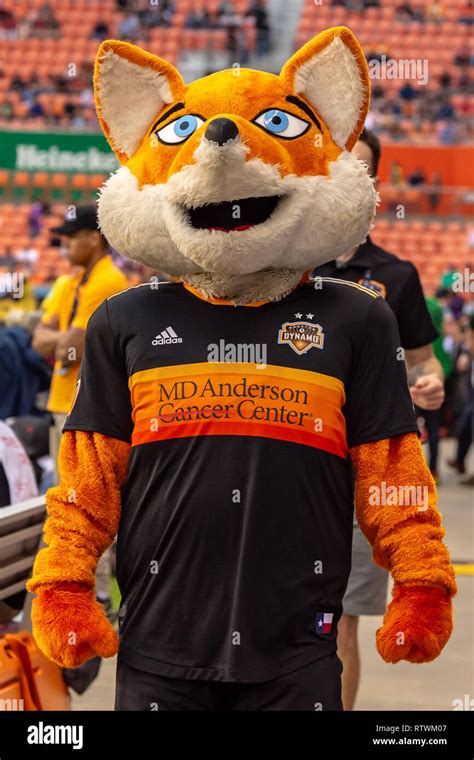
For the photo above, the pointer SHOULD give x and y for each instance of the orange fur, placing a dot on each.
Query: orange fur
(83, 515)
(407, 541)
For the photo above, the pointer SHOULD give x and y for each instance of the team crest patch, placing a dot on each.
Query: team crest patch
(301, 336)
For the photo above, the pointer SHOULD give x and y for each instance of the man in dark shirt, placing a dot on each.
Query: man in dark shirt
(397, 281)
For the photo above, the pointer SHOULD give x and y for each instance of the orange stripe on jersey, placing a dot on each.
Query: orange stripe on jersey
(239, 399)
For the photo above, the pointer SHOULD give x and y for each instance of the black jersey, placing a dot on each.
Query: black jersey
(394, 279)
(234, 545)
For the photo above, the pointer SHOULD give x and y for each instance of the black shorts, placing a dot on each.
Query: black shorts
(313, 687)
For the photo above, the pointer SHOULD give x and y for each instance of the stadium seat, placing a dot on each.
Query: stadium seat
(59, 185)
(21, 184)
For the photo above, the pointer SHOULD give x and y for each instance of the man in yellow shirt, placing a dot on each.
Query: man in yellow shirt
(71, 302)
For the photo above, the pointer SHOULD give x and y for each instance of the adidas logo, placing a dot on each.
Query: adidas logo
(165, 337)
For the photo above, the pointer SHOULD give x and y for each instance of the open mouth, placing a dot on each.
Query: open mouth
(233, 216)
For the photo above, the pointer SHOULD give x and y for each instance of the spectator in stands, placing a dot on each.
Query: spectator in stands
(408, 92)
(445, 80)
(448, 277)
(258, 12)
(8, 24)
(36, 110)
(464, 57)
(6, 110)
(417, 177)
(445, 111)
(160, 14)
(7, 258)
(396, 174)
(236, 42)
(448, 132)
(197, 18)
(467, 14)
(465, 84)
(35, 218)
(43, 22)
(435, 11)
(100, 31)
(405, 12)
(130, 28)
(28, 256)
(17, 84)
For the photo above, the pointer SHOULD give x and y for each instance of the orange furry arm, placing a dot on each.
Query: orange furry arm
(69, 625)
(404, 529)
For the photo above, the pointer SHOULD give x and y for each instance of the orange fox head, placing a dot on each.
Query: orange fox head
(238, 173)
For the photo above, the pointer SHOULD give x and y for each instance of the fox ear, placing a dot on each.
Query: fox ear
(331, 73)
(131, 87)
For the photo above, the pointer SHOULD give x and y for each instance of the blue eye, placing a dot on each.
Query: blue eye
(180, 129)
(281, 123)
(185, 126)
(275, 121)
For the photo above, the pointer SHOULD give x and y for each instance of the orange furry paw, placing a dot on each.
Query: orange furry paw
(70, 626)
(417, 624)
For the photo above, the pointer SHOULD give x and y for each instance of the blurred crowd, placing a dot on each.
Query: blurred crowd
(450, 117)
(37, 22)
(430, 10)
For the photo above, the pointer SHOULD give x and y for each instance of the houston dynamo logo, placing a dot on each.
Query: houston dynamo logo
(301, 336)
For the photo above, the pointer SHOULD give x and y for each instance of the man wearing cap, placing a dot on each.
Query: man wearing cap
(71, 302)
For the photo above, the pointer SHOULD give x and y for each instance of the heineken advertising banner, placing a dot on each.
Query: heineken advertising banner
(69, 152)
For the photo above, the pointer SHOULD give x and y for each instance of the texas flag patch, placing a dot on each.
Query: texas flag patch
(324, 622)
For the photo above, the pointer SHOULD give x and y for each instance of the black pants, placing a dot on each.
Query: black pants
(313, 687)
(432, 420)
(465, 433)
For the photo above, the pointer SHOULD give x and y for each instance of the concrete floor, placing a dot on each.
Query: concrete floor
(432, 686)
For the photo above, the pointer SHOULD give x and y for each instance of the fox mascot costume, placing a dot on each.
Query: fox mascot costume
(220, 419)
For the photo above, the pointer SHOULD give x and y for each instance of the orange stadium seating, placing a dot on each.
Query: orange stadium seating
(379, 31)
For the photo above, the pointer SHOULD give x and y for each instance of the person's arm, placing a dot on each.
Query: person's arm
(46, 333)
(396, 508)
(46, 336)
(70, 346)
(425, 377)
(417, 333)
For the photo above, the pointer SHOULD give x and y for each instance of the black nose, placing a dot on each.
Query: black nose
(221, 131)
